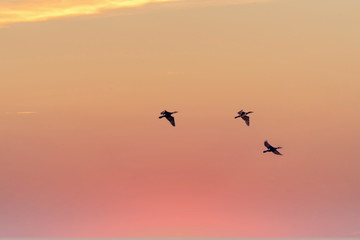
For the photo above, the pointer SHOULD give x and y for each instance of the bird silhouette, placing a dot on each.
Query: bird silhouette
(244, 116)
(168, 116)
(271, 148)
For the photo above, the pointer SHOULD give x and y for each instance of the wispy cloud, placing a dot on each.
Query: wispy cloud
(13, 11)
(354, 234)
(12, 113)
(39, 10)
(219, 2)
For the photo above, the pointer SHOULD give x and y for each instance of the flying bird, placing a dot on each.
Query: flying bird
(168, 116)
(271, 148)
(244, 116)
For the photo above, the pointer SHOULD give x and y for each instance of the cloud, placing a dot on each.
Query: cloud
(26, 112)
(11, 113)
(219, 2)
(355, 234)
(13, 11)
(174, 73)
(39, 10)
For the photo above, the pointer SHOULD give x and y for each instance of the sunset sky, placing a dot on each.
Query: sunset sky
(83, 153)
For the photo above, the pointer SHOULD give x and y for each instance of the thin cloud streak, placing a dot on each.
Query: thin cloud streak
(31, 10)
(41, 10)
(11, 113)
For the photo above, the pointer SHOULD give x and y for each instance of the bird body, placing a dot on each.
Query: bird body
(244, 116)
(271, 148)
(168, 116)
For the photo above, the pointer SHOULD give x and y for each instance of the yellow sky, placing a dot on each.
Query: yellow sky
(33, 10)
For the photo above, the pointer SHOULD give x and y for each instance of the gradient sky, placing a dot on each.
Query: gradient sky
(83, 153)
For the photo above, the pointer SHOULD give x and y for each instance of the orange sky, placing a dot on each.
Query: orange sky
(83, 153)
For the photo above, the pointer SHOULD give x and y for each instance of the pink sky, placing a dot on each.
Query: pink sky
(83, 153)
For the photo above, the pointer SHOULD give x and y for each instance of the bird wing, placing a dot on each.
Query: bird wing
(267, 144)
(246, 119)
(276, 152)
(171, 119)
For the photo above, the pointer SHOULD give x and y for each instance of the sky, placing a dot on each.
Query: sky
(82, 150)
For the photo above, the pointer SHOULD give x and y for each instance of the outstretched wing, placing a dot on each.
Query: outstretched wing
(171, 119)
(276, 152)
(246, 119)
(267, 144)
